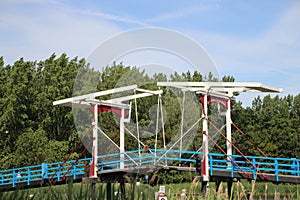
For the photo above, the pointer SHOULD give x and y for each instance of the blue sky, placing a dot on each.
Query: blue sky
(251, 40)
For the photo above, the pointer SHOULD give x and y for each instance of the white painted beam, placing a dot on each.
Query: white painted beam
(135, 96)
(224, 86)
(94, 95)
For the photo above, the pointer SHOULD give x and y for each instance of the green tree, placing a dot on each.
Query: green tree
(33, 147)
(17, 100)
(295, 126)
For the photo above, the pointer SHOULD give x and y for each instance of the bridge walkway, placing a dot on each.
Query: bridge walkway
(278, 170)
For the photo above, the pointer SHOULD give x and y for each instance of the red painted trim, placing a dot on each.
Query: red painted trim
(203, 168)
(211, 99)
(102, 108)
(203, 164)
(92, 166)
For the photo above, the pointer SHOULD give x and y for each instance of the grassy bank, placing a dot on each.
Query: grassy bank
(145, 191)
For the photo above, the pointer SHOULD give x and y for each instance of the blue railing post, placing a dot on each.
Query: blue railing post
(14, 178)
(44, 170)
(294, 166)
(232, 166)
(74, 171)
(298, 167)
(58, 172)
(276, 169)
(254, 168)
(210, 164)
(28, 176)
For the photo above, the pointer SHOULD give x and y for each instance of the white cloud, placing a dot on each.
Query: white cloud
(279, 45)
(35, 33)
(271, 58)
(287, 30)
(16, 2)
(112, 17)
(185, 11)
(54, 30)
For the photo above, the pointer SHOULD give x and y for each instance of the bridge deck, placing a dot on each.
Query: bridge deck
(225, 175)
(279, 170)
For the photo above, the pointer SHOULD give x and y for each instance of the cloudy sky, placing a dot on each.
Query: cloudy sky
(251, 40)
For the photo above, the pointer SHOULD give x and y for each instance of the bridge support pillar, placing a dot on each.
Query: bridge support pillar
(93, 182)
(218, 183)
(204, 188)
(229, 188)
(93, 190)
(108, 191)
(122, 188)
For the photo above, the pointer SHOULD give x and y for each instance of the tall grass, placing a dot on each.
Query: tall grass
(72, 191)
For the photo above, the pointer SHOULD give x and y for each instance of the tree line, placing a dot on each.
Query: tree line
(33, 131)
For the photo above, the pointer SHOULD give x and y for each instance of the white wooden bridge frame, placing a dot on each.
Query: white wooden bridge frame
(225, 90)
(89, 100)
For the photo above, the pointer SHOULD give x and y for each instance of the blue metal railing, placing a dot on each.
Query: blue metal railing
(259, 164)
(43, 171)
(58, 170)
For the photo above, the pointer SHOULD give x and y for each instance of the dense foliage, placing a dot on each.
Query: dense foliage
(273, 123)
(32, 130)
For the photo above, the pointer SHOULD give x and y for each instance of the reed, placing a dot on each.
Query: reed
(74, 191)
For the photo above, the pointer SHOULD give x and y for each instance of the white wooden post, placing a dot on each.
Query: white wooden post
(205, 171)
(95, 144)
(228, 128)
(122, 140)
